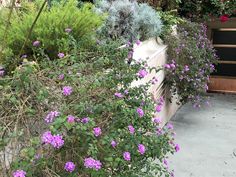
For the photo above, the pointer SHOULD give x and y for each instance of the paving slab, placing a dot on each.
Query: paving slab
(207, 137)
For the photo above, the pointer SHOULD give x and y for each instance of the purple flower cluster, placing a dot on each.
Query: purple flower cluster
(156, 120)
(92, 163)
(170, 126)
(140, 112)
(36, 43)
(165, 162)
(61, 55)
(141, 149)
(138, 42)
(131, 129)
(127, 156)
(69, 166)
(85, 120)
(70, 119)
(51, 116)
(118, 95)
(160, 104)
(177, 147)
(19, 173)
(97, 131)
(2, 72)
(55, 140)
(67, 90)
(113, 143)
(142, 73)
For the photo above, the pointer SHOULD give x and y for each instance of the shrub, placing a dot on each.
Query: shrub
(169, 20)
(51, 25)
(206, 9)
(129, 20)
(191, 57)
(80, 116)
(164, 5)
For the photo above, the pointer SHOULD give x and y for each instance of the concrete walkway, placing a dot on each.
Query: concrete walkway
(207, 139)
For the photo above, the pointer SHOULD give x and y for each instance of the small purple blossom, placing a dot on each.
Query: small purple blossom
(61, 76)
(126, 156)
(51, 116)
(70, 119)
(58, 141)
(69, 167)
(172, 65)
(166, 163)
(92, 163)
(47, 137)
(158, 108)
(170, 126)
(113, 143)
(140, 112)
(138, 42)
(2, 72)
(161, 101)
(36, 43)
(97, 131)
(142, 73)
(55, 140)
(167, 66)
(157, 120)
(19, 173)
(141, 149)
(177, 148)
(61, 55)
(68, 30)
(126, 92)
(186, 68)
(118, 95)
(131, 129)
(159, 131)
(67, 90)
(85, 120)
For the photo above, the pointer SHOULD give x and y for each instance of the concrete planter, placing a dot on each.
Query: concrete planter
(155, 55)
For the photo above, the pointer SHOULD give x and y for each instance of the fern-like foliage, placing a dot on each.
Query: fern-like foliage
(129, 20)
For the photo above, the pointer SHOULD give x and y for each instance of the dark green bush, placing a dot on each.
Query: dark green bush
(207, 9)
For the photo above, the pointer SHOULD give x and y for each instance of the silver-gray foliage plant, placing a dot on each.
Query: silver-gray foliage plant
(129, 20)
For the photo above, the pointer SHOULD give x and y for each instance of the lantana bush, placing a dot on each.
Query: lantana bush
(79, 116)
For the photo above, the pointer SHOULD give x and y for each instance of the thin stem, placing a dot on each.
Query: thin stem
(32, 27)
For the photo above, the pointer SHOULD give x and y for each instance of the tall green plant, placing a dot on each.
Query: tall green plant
(50, 25)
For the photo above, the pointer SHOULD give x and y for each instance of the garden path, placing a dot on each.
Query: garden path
(207, 139)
